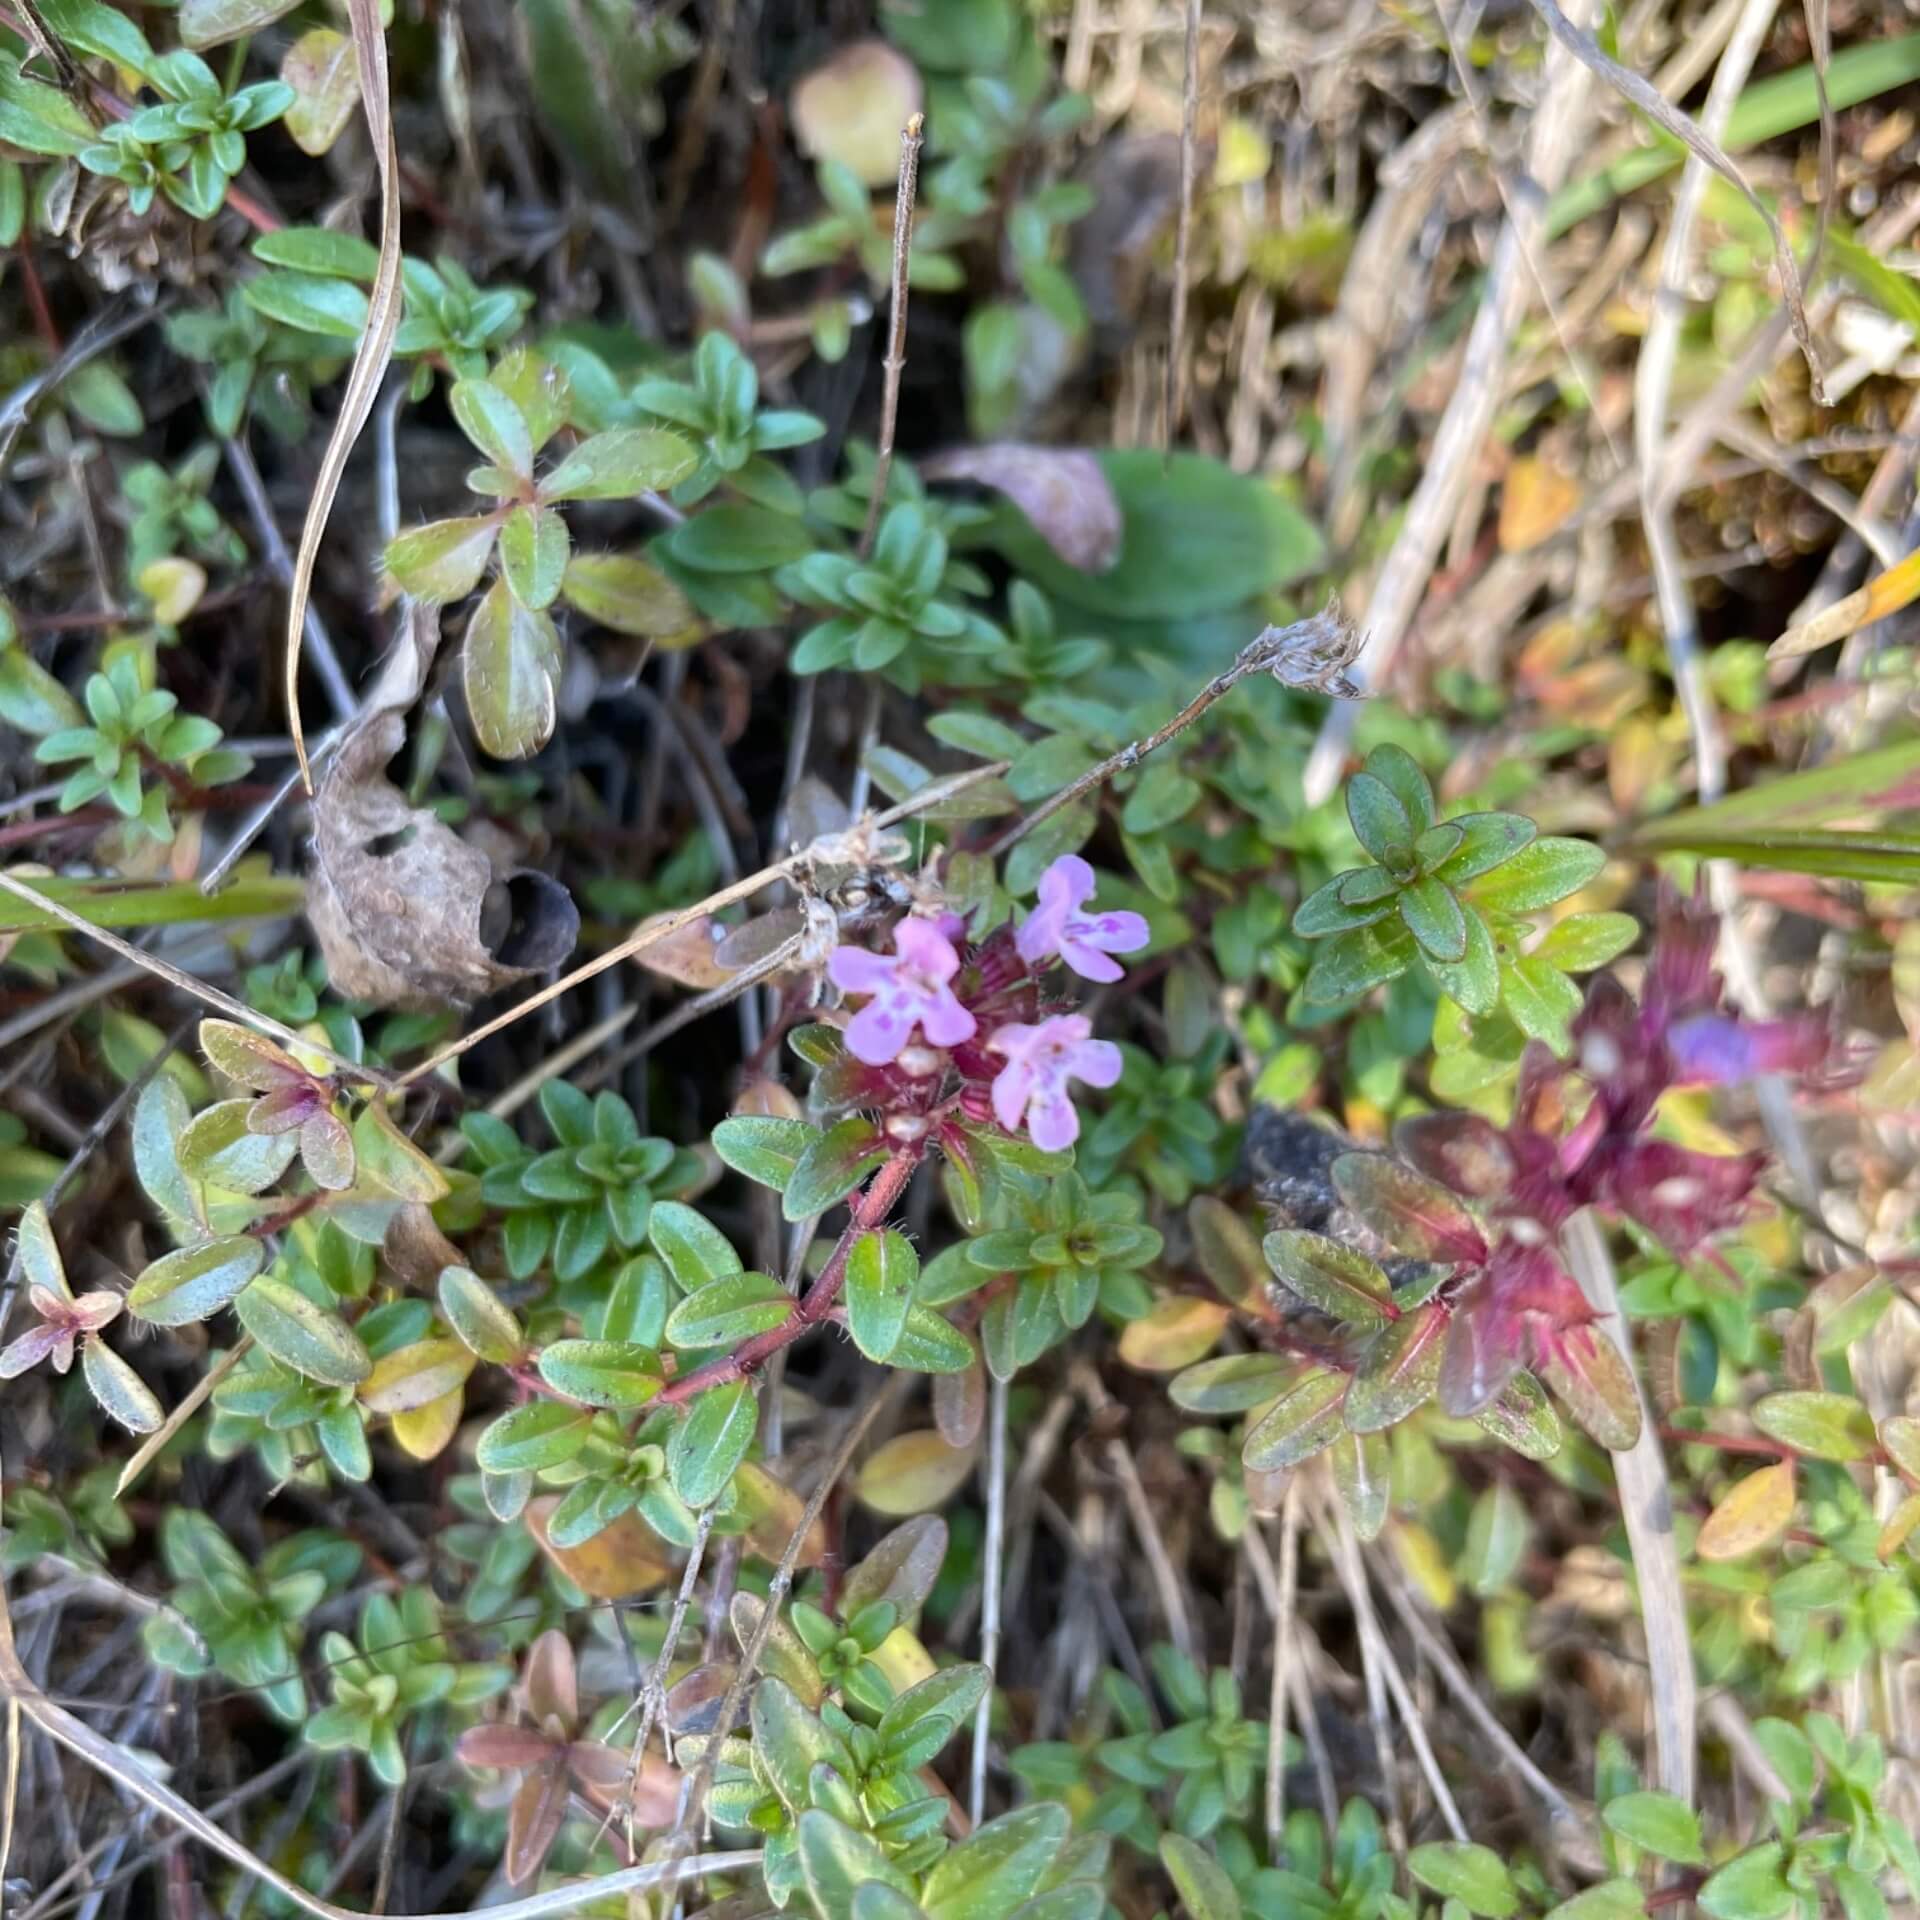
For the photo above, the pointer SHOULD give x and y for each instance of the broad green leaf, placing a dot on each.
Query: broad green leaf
(997, 1867)
(623, 592)
(1473, 1875)
(39, 1254)
(833, 1164)
(1497, 1532)
(1399, 1370)
(729, 1310)
(216, 1146)
(31, 698)
(543, 1433)
(1486, 840)
(304, 1336)
(1543, 1002)
(319, 250)
(510, 667)
(1233, 1383)
(479, 1316)
(1435, 919)
(121, 1393)
(1196, 538)
(390, 1162)
(1201, 1881)
(310, 302)
(1586, 1370)
(739, 539)
(1823, 1426)
(881, 1272)
(494, 424)
(1229, 1253)
(930, 1344)
(603, 1373)
(1658, 1823)
(538, 388)
(1584, 941)
(194, 1282)
(763, 1147)
(1416, 1216)
(695, 1250)
(1521, 1417)
(1333, 1278)
(839, 1863)
(620, 464)
(1351, 964)
(1380, 823)
(444, 559)
(533, 555)
(1303, 1420)
(1752, 1886)
(1542, 872)
(709, 1444)
(1398, 771)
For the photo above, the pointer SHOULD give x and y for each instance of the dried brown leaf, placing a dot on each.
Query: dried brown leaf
(1062, 490)
(406, 912)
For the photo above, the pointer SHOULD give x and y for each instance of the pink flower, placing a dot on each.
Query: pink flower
(1082, 940)
(1040, 1061)
(64, 1323)
(908, 988)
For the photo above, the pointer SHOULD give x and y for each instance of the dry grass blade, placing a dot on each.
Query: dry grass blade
(895, 363)
(369, 361)
(1173, 390)
(1886, 593)
(190, 1404)
(1462, 433)
(1646, 1505)
(1682, 127)
(165, 970)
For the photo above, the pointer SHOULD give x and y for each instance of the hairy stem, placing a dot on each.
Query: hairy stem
(870, 1213)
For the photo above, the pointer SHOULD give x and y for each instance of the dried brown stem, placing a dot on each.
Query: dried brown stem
(896, 360)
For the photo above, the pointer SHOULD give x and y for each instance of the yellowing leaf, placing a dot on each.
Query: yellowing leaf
(1536, 499)
(1174, 1334)
(913, 1473)
(424, 1432)
(625, 1558)
(325, 78)
(1899, 1527)
(851, 109)
(1755, 1511)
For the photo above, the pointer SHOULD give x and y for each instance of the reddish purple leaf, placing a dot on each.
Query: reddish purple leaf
(1586, 1371)
(1401, 1369)
(1463, 1151)
(548, 1684)
(1414, 1215)
(1062, 490)
(509, 1748)
(533, 1820)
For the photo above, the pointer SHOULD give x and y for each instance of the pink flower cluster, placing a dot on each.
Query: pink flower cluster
(912, 990)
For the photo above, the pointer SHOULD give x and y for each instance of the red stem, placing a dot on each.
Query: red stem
(868, 1215)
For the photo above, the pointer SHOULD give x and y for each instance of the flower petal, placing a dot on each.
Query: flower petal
(855, 970)
(880, 1029)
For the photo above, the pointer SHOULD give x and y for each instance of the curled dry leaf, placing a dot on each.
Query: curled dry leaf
(407, 913)
(1062, 490)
